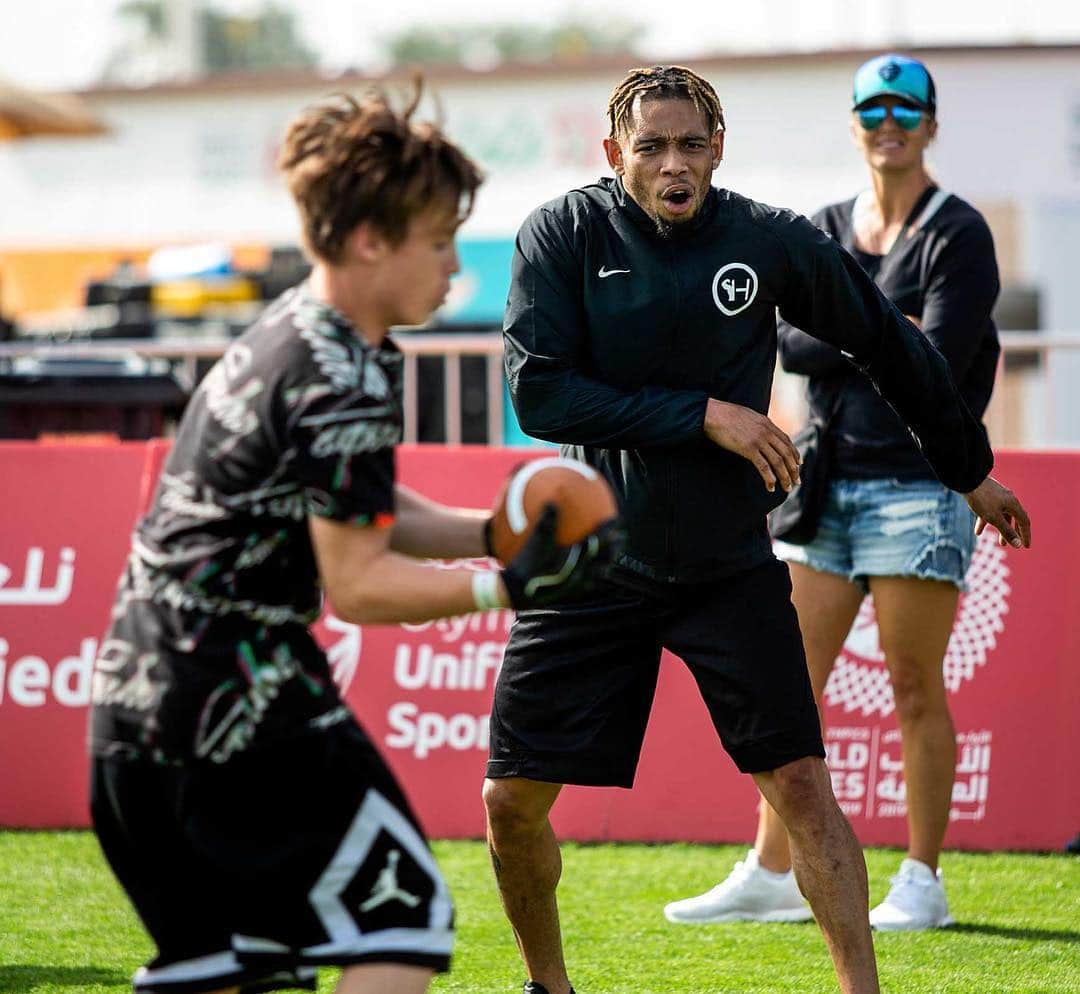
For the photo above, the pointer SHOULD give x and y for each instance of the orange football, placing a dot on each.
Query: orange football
(581, 494)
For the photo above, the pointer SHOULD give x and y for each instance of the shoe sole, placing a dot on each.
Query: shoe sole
(769, 917)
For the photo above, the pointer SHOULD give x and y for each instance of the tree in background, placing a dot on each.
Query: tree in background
(184, 39)
(173, 40)
(267, 40)
(485, 46)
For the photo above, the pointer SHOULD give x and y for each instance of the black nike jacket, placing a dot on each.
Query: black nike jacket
(616, 337)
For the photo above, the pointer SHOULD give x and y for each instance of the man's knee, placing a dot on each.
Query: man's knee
(803, 791)
(516, 808)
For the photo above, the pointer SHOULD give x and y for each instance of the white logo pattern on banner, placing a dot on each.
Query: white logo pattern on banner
(860, 681)
(344, 653)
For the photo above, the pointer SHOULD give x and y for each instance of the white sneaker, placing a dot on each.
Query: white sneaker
(916, 901)
(751, 893)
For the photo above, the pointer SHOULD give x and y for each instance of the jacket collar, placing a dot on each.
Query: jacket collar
(681, 233)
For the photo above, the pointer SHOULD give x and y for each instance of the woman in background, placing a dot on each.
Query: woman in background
(889, 528)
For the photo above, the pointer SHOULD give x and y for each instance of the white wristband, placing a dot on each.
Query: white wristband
(485, 590)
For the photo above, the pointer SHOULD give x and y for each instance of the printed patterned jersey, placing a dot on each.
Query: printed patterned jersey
(209, 653)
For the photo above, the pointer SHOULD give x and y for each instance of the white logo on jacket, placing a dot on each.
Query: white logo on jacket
(734, 288)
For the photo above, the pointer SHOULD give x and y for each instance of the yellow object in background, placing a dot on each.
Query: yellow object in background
(48, 278)
(190, 298)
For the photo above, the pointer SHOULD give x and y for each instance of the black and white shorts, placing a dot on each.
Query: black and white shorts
(253, 873)
(577, 682)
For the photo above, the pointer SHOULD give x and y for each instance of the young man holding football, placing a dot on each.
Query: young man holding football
(250, 820)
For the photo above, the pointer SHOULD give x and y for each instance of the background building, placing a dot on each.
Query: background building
(193, 161)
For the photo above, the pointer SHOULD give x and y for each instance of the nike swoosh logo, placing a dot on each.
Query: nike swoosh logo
(605, 273)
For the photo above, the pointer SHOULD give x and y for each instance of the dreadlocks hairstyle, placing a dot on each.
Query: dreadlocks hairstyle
(347, 161)
(663, 83)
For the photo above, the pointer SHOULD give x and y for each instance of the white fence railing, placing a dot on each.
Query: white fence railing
(1042, 385)
(186, 354)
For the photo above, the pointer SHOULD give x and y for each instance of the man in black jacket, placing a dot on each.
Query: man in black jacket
(641, 334)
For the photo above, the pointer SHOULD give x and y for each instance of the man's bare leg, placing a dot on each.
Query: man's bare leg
(384, 978)
(829, 867)
(527, 863)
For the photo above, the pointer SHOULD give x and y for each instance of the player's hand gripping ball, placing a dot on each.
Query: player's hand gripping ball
(582, 496)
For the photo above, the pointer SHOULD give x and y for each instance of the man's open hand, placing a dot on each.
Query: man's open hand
(753, 436)
(998, 506)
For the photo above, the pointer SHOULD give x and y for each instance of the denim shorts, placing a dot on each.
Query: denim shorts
(889, 528)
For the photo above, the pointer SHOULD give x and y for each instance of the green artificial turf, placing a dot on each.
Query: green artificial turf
(65, 926)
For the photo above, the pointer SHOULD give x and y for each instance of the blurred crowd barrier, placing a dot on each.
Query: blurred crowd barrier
(454, 387)
(111, 342)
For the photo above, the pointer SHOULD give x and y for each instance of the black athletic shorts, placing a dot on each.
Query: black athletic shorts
(577, 682)
(254, 872)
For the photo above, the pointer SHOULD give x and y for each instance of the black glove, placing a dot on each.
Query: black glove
(545, 573)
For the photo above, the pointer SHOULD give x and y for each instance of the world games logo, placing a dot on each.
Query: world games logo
(860, 679)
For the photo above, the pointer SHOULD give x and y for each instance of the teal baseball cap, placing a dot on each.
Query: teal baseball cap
(894, 75)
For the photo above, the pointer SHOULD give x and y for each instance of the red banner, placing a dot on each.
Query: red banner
(64, 536)
(424, 691)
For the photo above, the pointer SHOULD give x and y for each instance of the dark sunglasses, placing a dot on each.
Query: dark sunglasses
(874, 117)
